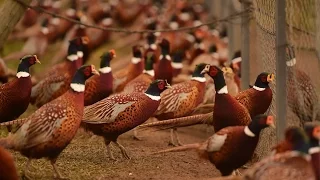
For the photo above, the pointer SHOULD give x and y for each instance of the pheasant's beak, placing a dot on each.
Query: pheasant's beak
(85, 40)
(94, 71)
(113, 52)
(270, 122)
(270, 77)
(37, 60)
(206, 69)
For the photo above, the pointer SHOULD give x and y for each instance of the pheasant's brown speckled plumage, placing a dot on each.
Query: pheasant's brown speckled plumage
(257, 102)
(7, 167)
(98, 87)
(315, 161)
(181, 99)
(283, 166)
(118, 114)
(139, 84)
(227, 158)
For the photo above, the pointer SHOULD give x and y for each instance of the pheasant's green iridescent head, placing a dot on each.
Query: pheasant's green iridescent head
(198, 69)
(106, 58)
(26, 62)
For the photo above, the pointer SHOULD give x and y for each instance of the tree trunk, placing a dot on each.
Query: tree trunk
(10, 13)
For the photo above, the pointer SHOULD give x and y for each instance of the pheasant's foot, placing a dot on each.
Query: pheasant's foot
(57, 174)
(237, 172)
(93, 137)
(123, 150)
(135, 135)
(109, 153)
(177, 137)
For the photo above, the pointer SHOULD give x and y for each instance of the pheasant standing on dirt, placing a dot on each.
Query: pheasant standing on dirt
(182, 99)
(8, 169)
(163, 69)
(100, 86)
(231, 147)
(120, 113)
(57, 81)
(136, 67)
(15, 95)
(47, 131)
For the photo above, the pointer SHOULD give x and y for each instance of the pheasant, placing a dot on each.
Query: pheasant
(8, 169)
(236, 67)
(120, 113)
(211, 57)
(313, 132)
(57, 81)
(163, 69)
(126, 75)
(151, 46)
(181, 99)
(46, 132)
(177, 64)
(15, 95)
(302, 96)
(252, 101)
(225, 148)
(99, 87)
(142, 82)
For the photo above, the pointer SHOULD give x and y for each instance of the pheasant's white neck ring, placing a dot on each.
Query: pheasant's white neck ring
(107, 21)
(105, 70)
(215, 33)
(55, 21)
(150, 72)
(22, 74)
(80, 54)
(314, 150)
(174, 25)
(155, 98)
(236, 60)
(248, 132)
(177, 65)
(45, 30)
(197, 23)
(190, 38)
(157, 34)
(153, 46)
(135, 60)
(71, 12)
(77, 87)
(223, 90)
(184, 16)
(292, 62)
(258, 88)
(72, 57)
(225, 39)
(198, 46)
(200, 79)
(215, 55)
(168, 57)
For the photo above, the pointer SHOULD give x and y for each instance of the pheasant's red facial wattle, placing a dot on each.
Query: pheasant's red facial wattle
(270, 121)
(213, 71)
(316, 132)
(161, 85)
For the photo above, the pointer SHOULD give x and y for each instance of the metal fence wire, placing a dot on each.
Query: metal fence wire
(303, 82)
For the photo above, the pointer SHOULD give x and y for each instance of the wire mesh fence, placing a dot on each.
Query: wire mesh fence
(302, 85)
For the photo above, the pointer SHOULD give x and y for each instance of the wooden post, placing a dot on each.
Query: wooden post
(245, 47)
(281, 88)
(10, 13)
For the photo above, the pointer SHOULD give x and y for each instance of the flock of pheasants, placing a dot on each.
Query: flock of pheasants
(156, 84)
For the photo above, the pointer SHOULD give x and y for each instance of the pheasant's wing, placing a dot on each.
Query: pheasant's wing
(107, 110)
(46, 88)
(40, 126)
(172, 99)
(216, 141)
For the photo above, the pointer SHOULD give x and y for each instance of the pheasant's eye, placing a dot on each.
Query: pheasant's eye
(161, 85)
(32, 60)
(87, 71)
(264, 79)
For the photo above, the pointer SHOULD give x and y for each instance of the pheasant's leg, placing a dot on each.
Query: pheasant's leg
(123, 150)
(171, 142)
(26, 170)
(109, 151)
(177, 137)
(237, 172)
(57, 174)
(135, 134)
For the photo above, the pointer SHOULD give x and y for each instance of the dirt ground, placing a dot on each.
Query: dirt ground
(85, 158)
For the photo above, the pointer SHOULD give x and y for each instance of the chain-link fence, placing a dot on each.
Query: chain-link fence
(303, 82)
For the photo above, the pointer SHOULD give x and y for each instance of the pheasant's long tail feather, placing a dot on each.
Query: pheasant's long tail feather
(14, 122)
(180, 122)
(186, 147)
(6, 143)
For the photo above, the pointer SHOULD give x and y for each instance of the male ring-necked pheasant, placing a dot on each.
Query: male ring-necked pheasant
(163, 69)
(15, 95)
(182, 99)
(59, 78)
(122, 112)
(225, 149)
(8, 169)
(47, 131)
(100, 86)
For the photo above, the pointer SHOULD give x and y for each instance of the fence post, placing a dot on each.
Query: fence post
(245, 47)
(281, 87)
